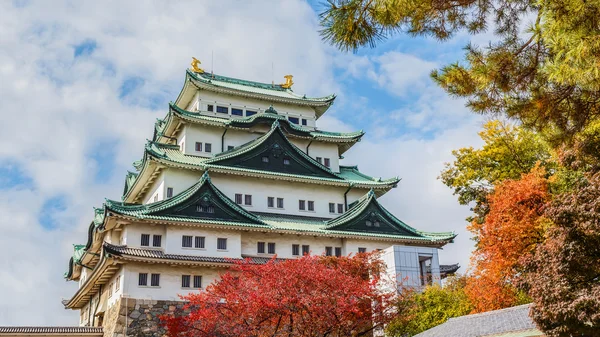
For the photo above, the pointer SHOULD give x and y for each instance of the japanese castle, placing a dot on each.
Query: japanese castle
(235, 170)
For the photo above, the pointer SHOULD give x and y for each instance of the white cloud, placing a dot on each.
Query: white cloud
(56, 109)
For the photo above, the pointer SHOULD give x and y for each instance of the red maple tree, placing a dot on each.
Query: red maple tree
(309, 296)
(506, 238)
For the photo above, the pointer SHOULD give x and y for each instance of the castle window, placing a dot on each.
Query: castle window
(199, 146)
(155, 198)
(304, 122)
(237, 112)
(302, 205)
(186, 241)
(229, 147)
(210, 108)
(197, 281)
(286, 161)
(305, 249)
(265, 159)
(368, 223)
(222, 109)
(118, 283)
(338, 251)
(294, 120)
(208, 147)
(248, 199)
(143, 279)
(340, 208)
(376, 223)
(362, 250)
(250, 113)
(221, 244)
(155, 280)
(331, 207)
(169, 192)
(260, 247)
(295, 250)
(182, 147)
(156, 240)
(270, 202)
(145, 241)
(185, 281)
(238, 199)
(328, 251)
(311, 205)
(199, 242)
(320, 160)
(271, 247)
(327, 162)
(279, 202)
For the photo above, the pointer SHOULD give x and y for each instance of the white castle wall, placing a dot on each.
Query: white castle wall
(260, 189)
(202, 98)
(132, 234)
(170, 280)
(190, 134)
(175, 234)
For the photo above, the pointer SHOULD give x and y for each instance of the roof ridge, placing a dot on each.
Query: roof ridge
(493, 312)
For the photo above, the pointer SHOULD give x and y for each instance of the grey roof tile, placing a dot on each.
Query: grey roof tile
(487, 323)
(51, 330)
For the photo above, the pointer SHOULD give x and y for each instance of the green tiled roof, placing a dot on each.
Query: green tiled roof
(78, 251)
(171, 209)
(129, 181)
(278, 222)
(368, 209)
(171, 154)
(245, 122)
(266, 89)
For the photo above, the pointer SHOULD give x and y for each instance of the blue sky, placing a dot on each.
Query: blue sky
(83, 82)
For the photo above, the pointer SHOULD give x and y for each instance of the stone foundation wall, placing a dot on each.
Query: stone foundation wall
(135, 317)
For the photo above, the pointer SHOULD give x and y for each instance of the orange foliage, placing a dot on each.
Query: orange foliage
(505, 239)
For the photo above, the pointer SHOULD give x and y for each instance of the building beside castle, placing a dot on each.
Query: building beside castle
(235, 170)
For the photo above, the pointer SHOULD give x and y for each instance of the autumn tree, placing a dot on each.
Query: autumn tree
(309, 296)
(546, 76)
(505, 239)
(508, 151)
(564, 275)
(419, 311)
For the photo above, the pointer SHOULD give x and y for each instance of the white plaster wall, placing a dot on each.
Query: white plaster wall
(170, 280)
(283, 244)
(181, 141)
(403, 264)
(180, 180)
(352, 245)
(111, 300)
(236, 138)
(203, 134)
(291, 192)
(132, 234)
(207, 97)
(320, 149)
(207, 134)
(260, 189)
(174, 238)
(157, 188)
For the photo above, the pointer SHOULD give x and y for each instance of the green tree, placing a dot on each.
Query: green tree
(508, 151)
(435, 305)
(547, 76)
